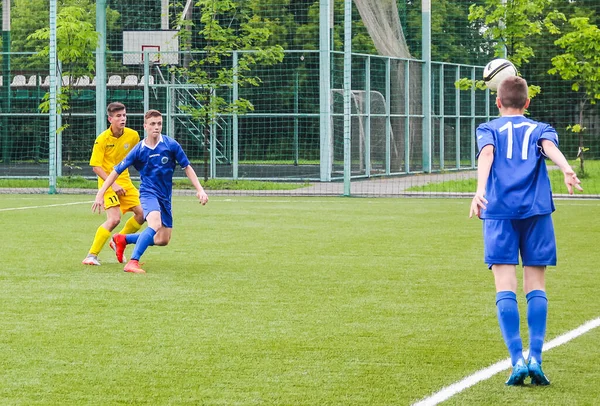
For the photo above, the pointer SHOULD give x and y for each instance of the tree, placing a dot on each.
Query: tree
(580, 64)
(76, 42)
(511, 28)
(225, 26)
(454, 38)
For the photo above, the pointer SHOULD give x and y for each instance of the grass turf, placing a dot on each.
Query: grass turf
(277, 301)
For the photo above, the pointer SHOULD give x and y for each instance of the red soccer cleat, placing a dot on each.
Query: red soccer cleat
(133, 266)
(118, 244)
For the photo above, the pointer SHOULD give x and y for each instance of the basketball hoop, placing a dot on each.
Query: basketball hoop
(162, 47)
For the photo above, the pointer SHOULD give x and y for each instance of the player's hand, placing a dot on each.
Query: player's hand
(477, 204)
(572, 181)
(202, 196)
(98, 204)
(118, 189)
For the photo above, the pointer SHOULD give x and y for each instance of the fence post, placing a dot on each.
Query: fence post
(426, 31)
(52, 100)
(5, 135)
(101, 66)
(347, 95)
(325, 27)
(235, 140)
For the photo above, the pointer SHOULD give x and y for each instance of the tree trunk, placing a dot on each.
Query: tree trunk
(205, 147)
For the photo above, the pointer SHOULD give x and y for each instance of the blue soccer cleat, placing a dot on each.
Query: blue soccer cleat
(536, 373)
(519, 373)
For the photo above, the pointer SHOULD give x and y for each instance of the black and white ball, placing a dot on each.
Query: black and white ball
(496, 71)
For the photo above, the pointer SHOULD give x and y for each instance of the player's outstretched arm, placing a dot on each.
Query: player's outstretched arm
(484, 165)
(571, 179)
(200, 193)
(102, 174)
(99, 201)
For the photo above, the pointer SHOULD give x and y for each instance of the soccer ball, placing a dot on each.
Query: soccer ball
(496, 71)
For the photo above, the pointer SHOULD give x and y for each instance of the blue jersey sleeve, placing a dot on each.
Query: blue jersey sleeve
(129, 159)
(485, 136)
(549, 133)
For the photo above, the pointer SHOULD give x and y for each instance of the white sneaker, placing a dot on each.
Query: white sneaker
(91, 259)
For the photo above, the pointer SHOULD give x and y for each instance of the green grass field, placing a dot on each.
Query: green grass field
(280, 301)
(212, 184)
(590, 181)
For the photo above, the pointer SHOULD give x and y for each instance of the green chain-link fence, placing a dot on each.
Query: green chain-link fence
(295, 131)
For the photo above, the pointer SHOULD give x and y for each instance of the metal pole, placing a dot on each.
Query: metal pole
(296, 102)
(368, 116)
(59, 123)
(502, 25)
(147, 83)
(7, 79)
(442, 120)
(347, 95)
(388, 118)
(235, 140)
(407, 126)
(426, 34)
(325, 26)
(164, 15)
(473, 126)
(101, 66)
(457, 119)
(52, 127)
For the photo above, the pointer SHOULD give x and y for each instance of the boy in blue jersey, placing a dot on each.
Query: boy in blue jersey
(514, 200)
(155, 159)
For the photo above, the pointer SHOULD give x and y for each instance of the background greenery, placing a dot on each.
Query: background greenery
(294, 25)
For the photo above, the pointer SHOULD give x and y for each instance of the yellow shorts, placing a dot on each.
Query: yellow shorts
(127, 202)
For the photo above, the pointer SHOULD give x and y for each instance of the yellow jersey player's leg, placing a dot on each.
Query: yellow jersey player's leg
(131, 202)
(103, 232)
(110, 148)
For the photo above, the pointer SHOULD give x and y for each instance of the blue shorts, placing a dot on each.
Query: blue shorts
(152, 203)
(533, 237)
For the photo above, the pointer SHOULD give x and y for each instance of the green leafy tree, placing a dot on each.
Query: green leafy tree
(580, 64)
(31, 16)
(27, 16)
(454, 38)
(76, 42)
(225, 26)
(512, 28)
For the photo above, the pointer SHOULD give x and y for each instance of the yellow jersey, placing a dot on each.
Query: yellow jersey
(109, 151)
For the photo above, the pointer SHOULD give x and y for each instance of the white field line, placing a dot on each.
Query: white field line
(486, 373)
(44, 206)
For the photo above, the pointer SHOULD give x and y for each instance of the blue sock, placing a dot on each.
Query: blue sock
(508, 317)
(537, 311)
(132, 238)
(145, 239)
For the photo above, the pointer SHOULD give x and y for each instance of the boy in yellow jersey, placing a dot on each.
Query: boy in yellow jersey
(110, 148)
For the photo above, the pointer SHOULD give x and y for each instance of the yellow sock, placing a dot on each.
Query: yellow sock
(130, 227)
(102, 235)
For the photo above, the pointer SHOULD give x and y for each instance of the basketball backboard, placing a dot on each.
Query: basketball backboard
(162, 47)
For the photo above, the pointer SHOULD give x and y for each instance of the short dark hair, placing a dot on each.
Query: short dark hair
(152, 113)
(513, 92)
(112, 108)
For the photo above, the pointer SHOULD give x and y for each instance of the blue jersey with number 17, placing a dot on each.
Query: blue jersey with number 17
(518, 186)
